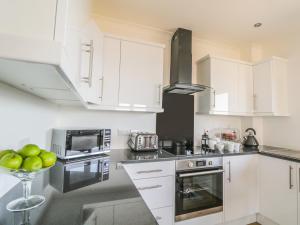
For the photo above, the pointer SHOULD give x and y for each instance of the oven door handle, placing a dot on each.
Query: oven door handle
(200, 173)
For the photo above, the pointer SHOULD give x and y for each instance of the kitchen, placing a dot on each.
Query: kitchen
(48, 82)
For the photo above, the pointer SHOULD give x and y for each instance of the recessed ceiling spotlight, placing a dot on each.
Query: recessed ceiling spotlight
(257, 25)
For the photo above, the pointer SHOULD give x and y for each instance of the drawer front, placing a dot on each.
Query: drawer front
(156, 192)
(151, 169)
(164, 216)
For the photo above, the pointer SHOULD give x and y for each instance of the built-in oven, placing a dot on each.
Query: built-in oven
(70, 175)
(199, 187)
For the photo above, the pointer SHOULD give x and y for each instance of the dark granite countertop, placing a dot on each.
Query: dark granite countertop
(115, 199)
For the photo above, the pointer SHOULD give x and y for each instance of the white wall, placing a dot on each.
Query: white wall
(23, 119)
(120, 122)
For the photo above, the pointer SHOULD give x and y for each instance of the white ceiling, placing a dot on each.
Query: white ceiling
(230, 20)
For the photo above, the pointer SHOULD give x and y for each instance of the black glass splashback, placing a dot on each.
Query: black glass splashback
(176, 123)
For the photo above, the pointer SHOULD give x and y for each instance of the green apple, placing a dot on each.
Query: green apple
(3, 152)
(48, 158)
(11, 161)
(32, 163)
(30, 150)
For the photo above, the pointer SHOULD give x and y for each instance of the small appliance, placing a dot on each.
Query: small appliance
(74, 143)
(199, 187)
(249, 140)
(143, 141)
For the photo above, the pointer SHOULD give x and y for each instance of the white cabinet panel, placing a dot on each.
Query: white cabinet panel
(245, 89)
(141, 74)
(164, 216)
(30, 18)
(278, 190)
(240, 186)
(156, 192)
(109, 83)
(150, 170)
(224, 76)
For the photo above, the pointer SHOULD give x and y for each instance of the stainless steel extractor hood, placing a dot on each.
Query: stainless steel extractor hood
(181, 65)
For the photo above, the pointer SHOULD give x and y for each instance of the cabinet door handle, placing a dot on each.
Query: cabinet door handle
(91, 62)
(290, 173)
(229, 172)
(214, 97)
(159, 94)
(158, 218)
(150, 187)
(149, 171)
(254, 102)
(102, 85)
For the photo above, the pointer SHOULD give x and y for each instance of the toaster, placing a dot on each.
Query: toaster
(141, 141)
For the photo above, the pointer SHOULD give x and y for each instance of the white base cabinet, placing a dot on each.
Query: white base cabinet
(156, 184)
(278, 190)
(240, 186)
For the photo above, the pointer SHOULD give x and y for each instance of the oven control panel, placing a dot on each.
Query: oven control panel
(199, 163)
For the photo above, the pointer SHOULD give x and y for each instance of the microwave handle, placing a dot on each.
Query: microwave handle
(200, 173)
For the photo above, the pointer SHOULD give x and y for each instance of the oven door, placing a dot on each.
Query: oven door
(81, 174)
(198, 193)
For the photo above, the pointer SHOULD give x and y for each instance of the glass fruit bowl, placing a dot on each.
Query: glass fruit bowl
(28, 201)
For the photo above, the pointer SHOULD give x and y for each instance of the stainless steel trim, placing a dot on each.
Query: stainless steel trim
(290, 171)
(150, 187)
(229, 171)
(159, 94)
(149, 171)
(91, 62)
(200, 173)
(102, 85)
(198, 213)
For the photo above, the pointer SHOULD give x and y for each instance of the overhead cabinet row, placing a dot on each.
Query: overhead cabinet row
(241, 88)
(90, 68)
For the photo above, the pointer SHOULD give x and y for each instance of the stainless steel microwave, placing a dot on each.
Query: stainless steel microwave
(75, 143)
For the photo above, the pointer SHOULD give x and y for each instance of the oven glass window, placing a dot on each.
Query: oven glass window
(85, 142)
(199, 193)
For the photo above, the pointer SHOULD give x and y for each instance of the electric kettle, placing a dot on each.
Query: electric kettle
(249, 139)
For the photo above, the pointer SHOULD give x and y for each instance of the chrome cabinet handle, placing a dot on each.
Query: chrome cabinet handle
(150, 187)
(254, 102)
(290, 172)
(214, 94)
(200, 173)
(149, 171)
(229, 172)
(102, 85)
(159, 94)
(158, 218)
(91, 62)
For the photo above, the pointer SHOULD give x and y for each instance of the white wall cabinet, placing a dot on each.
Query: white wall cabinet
(278, 190)
(231, 83)
(270, 87)
(156, 184)
(132, 76)
(241, 88)
(240, 187)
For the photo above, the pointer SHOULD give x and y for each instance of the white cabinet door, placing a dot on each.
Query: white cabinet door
(245, 89)
(91, 60)
(141, 74)
(30, 18)
(278, 191)
(111, 72)
(240, 186)
(224, 77)
(262, 88)
(164, 216)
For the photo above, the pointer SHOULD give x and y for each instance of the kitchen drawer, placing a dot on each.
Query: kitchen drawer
(156, 192)
(164, 216)
(148, 170)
